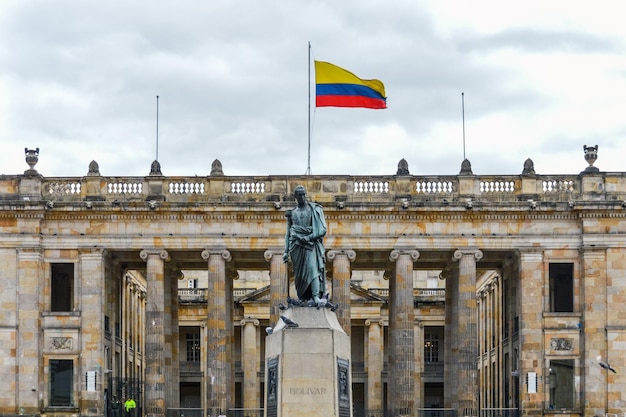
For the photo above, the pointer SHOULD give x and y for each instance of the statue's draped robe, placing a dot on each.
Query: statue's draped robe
(308, 258)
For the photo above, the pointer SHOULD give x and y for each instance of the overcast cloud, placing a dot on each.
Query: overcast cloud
(79, 80)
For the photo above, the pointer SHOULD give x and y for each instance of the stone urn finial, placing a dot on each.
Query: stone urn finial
(216, 169)
(529, 167)
(155, 168)
(591, 155)
(32, 157)
(403, 167)
(94, 169)
(466, 168)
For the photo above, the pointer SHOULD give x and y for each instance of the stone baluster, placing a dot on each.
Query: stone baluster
(341, 259)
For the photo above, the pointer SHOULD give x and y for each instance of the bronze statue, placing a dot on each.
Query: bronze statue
(306, 227)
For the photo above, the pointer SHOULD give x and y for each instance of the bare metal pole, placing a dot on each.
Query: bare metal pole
(157, 128)
(308, 166)
(463, 112)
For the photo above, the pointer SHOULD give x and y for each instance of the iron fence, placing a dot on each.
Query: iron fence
(245, 412)
(184, 412)
(436, 412)
(121, 389)
(499, 412)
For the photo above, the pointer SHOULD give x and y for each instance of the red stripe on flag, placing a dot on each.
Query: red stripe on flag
(350, 101)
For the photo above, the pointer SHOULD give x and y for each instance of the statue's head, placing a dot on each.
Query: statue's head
(299, 194)
(299, 190)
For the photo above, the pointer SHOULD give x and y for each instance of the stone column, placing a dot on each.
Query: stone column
(29, 301)
(219, 333)
(462, 335)
(155, 370)
(141, 324)
(530, 298)
(341, 259)
(374, 365)
(172, 275)
(125, 323)
(601, 393)
(419, 363)
(279, 282)
(482, 348)
(134, 316)
(401, 334)
(250, 362)
(92, 325)
(497, 316)
(205, 390)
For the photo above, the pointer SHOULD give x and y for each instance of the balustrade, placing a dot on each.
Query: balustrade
(382, 189)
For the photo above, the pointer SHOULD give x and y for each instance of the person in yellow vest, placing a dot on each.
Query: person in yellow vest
(129, 406)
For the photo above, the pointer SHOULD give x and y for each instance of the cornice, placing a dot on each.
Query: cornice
(237, 214)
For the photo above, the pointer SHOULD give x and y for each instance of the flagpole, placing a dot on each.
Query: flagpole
(308, 169)
(463, 115)
(157, 128)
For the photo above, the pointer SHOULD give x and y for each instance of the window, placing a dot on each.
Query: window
(431, 348)
(61, 287)
(192, 283)
(193, 346)
(61, 383)
(561, 384)
(561, 287)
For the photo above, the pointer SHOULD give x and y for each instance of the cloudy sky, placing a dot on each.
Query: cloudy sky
(79, 80)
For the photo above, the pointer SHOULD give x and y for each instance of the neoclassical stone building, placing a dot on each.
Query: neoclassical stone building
(468, 294)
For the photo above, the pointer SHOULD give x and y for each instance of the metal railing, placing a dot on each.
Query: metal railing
(245, 412)
(369, 413)
(184, 412)
(499, 412)
(436, 412)
(420, 412)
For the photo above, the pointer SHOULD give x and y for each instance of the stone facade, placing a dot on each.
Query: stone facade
(95, 304)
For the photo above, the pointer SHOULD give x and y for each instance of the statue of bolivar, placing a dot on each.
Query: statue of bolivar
(306, 227)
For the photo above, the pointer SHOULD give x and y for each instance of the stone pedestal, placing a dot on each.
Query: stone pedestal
(308, 367)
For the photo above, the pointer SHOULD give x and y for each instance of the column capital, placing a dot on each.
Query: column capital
(271, 252)
(162, 253)
(445, 273)
(332, 254)
(250, 320)
(459, 253)
(224, 253)
(377, 320)
(395, 254)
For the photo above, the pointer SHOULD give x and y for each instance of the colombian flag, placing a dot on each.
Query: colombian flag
(337, 87)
